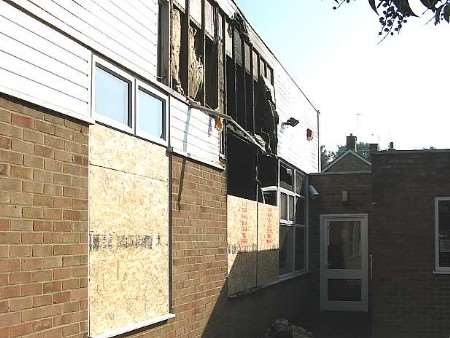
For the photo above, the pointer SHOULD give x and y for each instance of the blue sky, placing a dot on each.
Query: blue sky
(385, 92)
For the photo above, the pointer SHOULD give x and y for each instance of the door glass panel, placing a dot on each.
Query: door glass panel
(300, 252)
(344, 245)
(286, 249)
(344, 290)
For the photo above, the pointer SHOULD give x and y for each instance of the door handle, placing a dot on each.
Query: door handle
(371, 266)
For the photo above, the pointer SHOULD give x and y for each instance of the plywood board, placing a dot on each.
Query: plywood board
(268, 243)
(129, 244)
(242, 244)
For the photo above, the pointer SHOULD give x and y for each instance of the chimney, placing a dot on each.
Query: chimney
(373, 148)
(351, 142)
(391, 146)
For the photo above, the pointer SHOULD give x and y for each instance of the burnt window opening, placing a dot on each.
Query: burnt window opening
(211, 73)
(268, 171)
(196, 64)
(266, 116)
(178, 51)
(249, 88)
(231, 90)
(163, 42)
(241, 168)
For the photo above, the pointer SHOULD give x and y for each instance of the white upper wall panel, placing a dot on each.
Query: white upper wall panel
(42, 66)
(193, 134)
(124, 31)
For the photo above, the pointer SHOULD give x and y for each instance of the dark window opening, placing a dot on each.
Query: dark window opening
(163, 42)
(268, 171)
(241, 168)
(231, 94)
(211, 73)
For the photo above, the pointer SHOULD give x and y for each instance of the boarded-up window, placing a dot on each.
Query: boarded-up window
(129, 232)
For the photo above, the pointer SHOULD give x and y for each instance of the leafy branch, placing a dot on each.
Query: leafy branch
(395, 13)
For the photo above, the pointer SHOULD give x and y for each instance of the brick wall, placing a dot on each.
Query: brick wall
(409, 300)
(330, 187)
(199, 242)
(43, 223)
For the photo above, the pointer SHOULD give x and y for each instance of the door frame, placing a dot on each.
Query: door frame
(325, 274)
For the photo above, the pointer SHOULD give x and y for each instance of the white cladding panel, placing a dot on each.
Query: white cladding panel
(193, 133)
(42, 66)
(293, 145)
(124, 31)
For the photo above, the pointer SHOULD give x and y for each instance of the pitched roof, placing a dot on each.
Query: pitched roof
(345, 156)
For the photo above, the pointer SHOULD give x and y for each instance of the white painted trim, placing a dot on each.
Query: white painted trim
(345, 154)
(46, 104)
(120, 73)
(165, 99)
(438, 269)
(134, 327)
(325, 274)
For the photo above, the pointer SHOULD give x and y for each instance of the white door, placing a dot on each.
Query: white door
(344, 263)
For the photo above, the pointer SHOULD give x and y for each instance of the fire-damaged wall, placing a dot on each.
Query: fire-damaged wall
(129, 231)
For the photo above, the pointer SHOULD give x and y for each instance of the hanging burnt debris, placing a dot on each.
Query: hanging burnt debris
(196, 67)
(267, 118)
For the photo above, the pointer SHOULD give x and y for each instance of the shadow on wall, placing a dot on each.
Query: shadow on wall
(250, 314)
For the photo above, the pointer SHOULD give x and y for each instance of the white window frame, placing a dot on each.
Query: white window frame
(437, 267)
(115, 71)
(293, 224)
(165, 98)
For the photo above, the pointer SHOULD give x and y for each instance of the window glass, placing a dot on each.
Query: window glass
(150, 115)
(286, 178)
(299, 183)
(112, 96)
(344, 245)
(300, 211)
(291, 208)
(283, 206)
(300, 249)
(270, 197)
(444, 234)
(286, 258)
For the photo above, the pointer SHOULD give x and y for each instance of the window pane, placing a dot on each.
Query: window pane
(344, 290)
(286, 178)
(283, 208)
(112, 95)
(300, 249)
(344, 245)
(286, 249)
(444, 234)
(299, 183)
(150, 117)
(300, 211)
(291, 209)
(270, 197)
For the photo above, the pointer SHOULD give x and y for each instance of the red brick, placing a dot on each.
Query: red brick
(22, 121)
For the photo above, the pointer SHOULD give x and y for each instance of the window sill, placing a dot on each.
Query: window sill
(281, 279)
(139, 326)
(436, 272)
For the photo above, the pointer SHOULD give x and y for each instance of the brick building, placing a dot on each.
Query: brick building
(157, 179)
(403, 199)
(149, 184)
